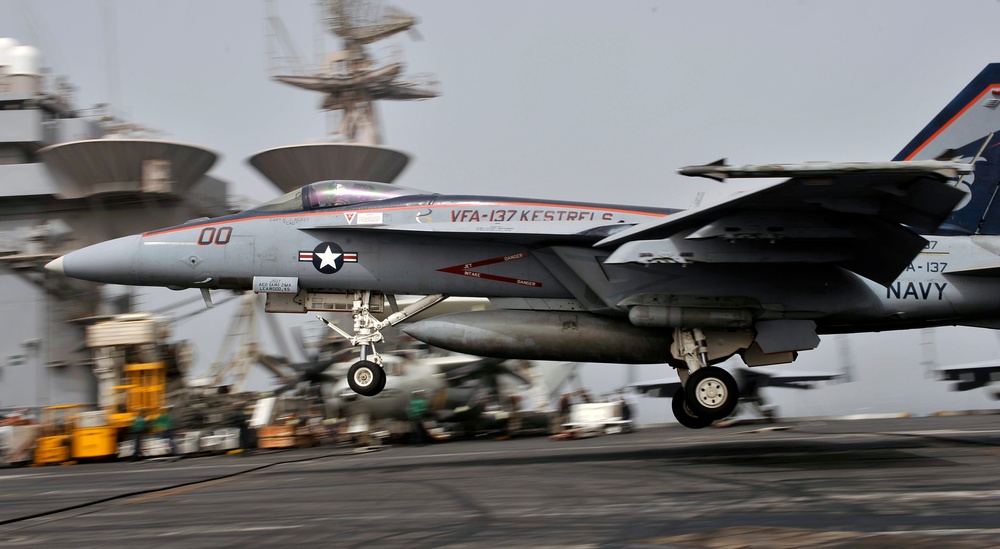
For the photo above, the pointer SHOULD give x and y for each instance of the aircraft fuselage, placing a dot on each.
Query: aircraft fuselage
(533, 250)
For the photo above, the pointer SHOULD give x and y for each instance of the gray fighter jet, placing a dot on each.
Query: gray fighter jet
(834, 248)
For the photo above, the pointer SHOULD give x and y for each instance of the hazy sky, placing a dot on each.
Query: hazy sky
(594, 101)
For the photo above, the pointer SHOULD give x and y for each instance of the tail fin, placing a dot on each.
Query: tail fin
(970, 128)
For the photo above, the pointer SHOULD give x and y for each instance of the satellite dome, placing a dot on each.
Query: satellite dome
(24, 60)
(6, 44)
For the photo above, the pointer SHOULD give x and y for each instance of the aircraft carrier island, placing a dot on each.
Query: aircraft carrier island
(66, 181)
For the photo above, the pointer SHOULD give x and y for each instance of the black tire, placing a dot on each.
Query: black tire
(711, 393)
(366, 378)
(684, 414)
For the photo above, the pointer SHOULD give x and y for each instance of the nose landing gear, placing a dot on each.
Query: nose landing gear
(366, 377)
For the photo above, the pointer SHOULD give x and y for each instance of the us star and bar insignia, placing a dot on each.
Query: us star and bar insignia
(328, 257)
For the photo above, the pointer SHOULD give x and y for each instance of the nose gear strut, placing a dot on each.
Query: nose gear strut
(366, 377)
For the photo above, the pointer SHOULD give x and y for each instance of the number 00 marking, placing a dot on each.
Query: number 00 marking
(220, 237)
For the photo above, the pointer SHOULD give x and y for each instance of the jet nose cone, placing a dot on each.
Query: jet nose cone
(111, 262)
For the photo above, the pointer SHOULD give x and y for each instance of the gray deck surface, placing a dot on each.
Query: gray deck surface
(919, 482)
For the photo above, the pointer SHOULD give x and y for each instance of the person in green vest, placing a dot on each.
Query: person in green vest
(138, 429)
(416, 409)
(165, 426)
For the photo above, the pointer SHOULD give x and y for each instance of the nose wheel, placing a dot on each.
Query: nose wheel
(366, 378)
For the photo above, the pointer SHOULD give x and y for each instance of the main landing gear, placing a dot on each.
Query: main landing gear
(366, 377)
(708, 392)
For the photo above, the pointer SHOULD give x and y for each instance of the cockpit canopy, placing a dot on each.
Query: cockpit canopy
(332, 194)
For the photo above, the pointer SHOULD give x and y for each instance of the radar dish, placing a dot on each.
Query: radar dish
(101, 166)
(366, 21)
(295, 166)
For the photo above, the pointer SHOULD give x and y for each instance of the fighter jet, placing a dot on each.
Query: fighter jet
(833, 248)
(465, 394)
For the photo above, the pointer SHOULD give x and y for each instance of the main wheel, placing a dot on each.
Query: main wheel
(684, 414)
(366, 378)
(711, 393)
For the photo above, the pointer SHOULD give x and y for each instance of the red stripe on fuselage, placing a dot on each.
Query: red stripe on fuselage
(212, 223)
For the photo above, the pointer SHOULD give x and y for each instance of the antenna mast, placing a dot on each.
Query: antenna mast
(352, 79)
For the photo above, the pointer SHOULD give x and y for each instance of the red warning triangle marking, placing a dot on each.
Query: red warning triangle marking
(465, 269)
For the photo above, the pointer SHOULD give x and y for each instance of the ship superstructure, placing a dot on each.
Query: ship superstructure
(66, 183)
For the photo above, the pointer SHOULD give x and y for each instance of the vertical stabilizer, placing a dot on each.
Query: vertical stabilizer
(968, 128)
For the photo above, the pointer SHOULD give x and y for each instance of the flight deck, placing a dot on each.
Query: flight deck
(919, 482)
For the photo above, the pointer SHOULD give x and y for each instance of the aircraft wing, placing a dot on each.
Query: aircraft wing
(792, 379)
(972, 375)
(863, 216)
